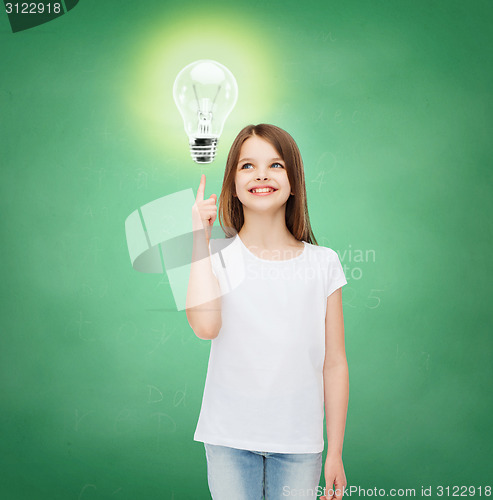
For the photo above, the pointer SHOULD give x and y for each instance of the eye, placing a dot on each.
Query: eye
(278, 164)
(245, 165)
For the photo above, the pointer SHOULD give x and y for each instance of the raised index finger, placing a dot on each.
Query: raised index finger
(201, 189)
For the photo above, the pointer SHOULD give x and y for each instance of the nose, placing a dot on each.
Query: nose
(261, 177)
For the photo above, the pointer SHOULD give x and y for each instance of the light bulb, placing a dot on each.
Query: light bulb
(205, 93)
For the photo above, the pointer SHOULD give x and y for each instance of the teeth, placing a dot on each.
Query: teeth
(262, 190)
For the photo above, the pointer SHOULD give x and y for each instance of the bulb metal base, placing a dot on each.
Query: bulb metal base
(203, 149)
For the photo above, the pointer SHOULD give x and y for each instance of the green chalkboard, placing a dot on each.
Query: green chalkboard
(390, 104)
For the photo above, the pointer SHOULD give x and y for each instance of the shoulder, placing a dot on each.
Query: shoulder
(218, 244)
(321, 252)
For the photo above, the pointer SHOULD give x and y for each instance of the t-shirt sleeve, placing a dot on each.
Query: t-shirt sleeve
(335, 273)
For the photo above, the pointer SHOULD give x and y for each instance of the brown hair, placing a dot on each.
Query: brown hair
(230, 209)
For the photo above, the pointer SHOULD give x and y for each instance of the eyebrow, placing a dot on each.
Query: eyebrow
(253, 159)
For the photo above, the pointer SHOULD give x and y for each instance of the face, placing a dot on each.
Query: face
(261, 165)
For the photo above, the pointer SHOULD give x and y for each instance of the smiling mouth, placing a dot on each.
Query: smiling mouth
(262, 191)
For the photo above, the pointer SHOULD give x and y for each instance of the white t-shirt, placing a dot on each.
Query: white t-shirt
(264, 384)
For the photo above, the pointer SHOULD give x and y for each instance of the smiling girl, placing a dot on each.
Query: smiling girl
(277, 338)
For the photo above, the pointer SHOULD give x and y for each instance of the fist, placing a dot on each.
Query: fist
(204, 212)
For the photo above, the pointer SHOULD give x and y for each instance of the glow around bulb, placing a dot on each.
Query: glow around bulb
(205, 93)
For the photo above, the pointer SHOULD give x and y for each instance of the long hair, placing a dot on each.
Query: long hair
(230, 210)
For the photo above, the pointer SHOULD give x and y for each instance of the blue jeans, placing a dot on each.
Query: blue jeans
(249, 475)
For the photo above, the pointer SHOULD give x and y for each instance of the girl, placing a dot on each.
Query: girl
(271, 304)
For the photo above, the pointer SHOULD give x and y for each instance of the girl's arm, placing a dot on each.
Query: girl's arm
(203, 303)
(336, 395)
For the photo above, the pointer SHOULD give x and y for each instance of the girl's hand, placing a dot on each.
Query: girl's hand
(335, 478)
(204, 212)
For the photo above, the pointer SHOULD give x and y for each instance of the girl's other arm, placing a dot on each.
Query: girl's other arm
(336, 395)
(203, 305)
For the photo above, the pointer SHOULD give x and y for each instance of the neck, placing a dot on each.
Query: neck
(265, 230)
